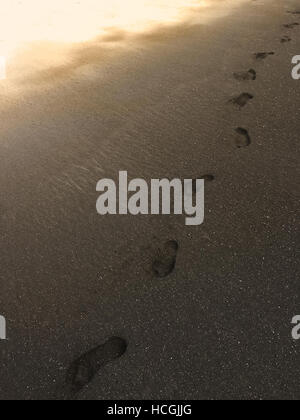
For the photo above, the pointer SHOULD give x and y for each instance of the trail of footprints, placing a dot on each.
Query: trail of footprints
(242, 138)
(83, 370)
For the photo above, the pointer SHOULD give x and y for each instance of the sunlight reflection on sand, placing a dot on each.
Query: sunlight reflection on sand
(37, 35)
(75, 21)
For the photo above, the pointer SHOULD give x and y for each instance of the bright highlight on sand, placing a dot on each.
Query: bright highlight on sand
(23, 21)
(2, 68)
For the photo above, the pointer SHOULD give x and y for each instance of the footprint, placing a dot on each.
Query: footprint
(165, 261)
(242, 99)
(263, 55)
(243, 139)
(285, 39)
(83, 370)
(291, 25)
(246, 75)
(207, 178)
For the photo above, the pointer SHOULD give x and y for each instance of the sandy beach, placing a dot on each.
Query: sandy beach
(210, 95)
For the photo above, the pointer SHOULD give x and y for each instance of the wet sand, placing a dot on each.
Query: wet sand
(168, 104)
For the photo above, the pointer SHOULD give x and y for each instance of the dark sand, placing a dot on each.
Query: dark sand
(220, 325)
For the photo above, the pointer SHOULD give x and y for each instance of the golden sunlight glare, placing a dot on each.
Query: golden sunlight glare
(24, 21)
